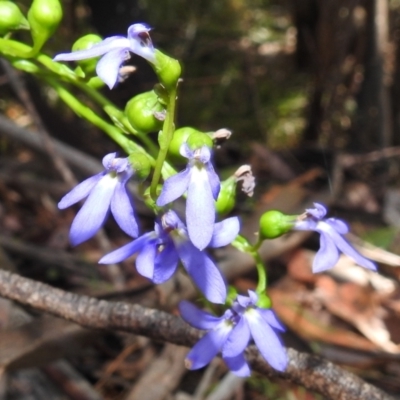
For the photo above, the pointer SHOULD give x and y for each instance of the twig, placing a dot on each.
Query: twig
(312, 372)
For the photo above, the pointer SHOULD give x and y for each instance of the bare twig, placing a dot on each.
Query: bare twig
(309, 371)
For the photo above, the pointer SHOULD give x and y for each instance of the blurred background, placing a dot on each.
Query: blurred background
(311, 91)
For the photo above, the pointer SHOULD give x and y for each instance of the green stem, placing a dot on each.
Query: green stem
(165, 139)
(261, 271)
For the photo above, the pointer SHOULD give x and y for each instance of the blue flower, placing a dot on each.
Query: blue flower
(115, 50)
(202, 185)
(160, 250)
(331, 240)
(232, 332)
(103, 191)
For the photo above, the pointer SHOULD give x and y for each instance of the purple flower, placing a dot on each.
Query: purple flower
(232, 332)
(160, 250)
(331, 240)
(115, 50)
(103, 191)
(202, 185)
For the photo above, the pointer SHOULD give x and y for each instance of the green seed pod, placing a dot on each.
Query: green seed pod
(227, 196)
(44, 16)
(181, 136)
(264, 301)
(141, 110)
(11, 18)
(196, 140)
(274, 224)
(141, 164)
(167, 69)
(86, 42)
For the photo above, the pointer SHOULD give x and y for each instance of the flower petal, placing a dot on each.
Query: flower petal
(327, 255)
(96, 50)
(80, 191)
(238, 365)
(141, 43)
(128, 250)
(271, 319)
(346, 247)
(237, 340)
(214, 181)
(203, 271)
(122, 210)
(198, 318)
(146, 259)
(266, 340)
(108, 67)
(174, 187)
(207, 347)
(200, 209)
(93, 213)
(165, 264)
(225, 232)
(339, 226)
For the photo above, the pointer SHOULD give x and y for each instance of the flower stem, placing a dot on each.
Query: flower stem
(165, 138)
(261, 271)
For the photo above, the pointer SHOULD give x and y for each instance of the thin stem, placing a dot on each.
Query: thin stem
(165, 139)
(261, 271)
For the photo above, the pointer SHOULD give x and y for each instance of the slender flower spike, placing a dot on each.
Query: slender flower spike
(231, 333)
(114, 51)
(202, 185)
(332, 241)
(103, 191)
(160, 250)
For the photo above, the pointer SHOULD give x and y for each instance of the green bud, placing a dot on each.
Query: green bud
(11, 18)
(88, 66)
(167, 69)
(227, 196)
(44, 17)
(26, 66)
(140, 112)
(196, 140)
(264, 301)
(274, 224)
(141, 164)
(181, 136)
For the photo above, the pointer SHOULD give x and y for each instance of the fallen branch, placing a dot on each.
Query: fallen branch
(309, 371)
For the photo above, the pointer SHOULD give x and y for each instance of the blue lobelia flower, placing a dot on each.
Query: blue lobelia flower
(115, 50)
(331, 240)
(103, 191)
(202, 185)
(232, 332)
(160, 250)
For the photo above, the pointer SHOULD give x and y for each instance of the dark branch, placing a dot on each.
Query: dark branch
(309, 371)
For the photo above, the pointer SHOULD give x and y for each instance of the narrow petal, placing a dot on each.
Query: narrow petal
(267, 340)
(339, 226)
(93, 213)
(98, 49)
(214, 181)
(237, 340)
(238, 365)
(225, 232)
(198, 318)
(200, 209)
(141, 43)
(128, 250)
(146, 259)
(174, 187)
(80, 191)
(122, 210)
(108, 67)
(346, 247)
(271, 319)
(318, 212)
(207, 347)
(204, 272)
(327, 255)
(165, 264)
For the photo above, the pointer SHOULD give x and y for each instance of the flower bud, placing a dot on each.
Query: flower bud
(196, 140)
(88, 66)
(144, 111)
(273, 224)
(141, 164)
(264, 301)
(44, 17)
(167, 69)
(11, 18)
(180, 136)
(227, 196)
